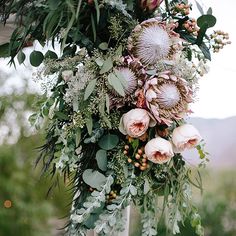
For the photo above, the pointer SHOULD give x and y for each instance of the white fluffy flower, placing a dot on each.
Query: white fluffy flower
(67, 75)
(159, 150)
(136, 122)
(185, 137)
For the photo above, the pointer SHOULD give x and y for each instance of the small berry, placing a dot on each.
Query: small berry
(140, 151)
(129, 160)
(136, 164)
(142, 168)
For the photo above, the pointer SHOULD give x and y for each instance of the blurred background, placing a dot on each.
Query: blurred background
(25, 208)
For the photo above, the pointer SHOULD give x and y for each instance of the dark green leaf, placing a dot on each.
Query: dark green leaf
(36, 58)
(101, 157)
(108, 141)
(208, 20)
(93, 28)
(4, 50)
(61, 115)
(20, 57)
(201, 34)
(90, 88)
(50, 55)
(205, 50)
(94, 178)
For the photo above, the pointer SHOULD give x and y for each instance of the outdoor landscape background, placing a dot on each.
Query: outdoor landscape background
(24, 208)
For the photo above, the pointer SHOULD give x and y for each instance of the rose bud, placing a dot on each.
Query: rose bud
(150, 5)
(185, 137)
(136, 122)
(159, 150)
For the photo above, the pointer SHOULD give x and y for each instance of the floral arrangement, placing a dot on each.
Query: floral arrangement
(115, 106)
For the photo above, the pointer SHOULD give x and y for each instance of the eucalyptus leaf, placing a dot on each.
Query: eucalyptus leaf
(101, 157)
(51, 55)
(89, 125)
(94, 178)
(208, 20)
(146, 187)
(103, 46)
(107, 65)
(133, 190)
(116, 84)
(108, 141)
(121, 78)
(90, 88)
(119, 51)
(199, 7)
(209, 11)
(21, 57)
(99, 62)
(36, 58)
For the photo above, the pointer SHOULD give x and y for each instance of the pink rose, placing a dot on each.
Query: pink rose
(159, 150)
(185, 137)
(136, 122)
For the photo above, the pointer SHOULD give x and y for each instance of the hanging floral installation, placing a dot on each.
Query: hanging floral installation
(115, 104)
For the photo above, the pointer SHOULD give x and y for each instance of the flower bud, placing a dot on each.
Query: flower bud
(150, 5)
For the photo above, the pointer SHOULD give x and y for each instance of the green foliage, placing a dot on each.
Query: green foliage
(36, 58)
(108, 141)
(101, 157)
(93, 203)
(94, 178)
(89, 89)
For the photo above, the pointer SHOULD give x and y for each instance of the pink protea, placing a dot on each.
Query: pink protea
(150, 5)
(167, 97)
(153, 40)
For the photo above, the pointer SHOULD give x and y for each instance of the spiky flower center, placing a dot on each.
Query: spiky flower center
(153, 44)
(168, 96)
(130, 80)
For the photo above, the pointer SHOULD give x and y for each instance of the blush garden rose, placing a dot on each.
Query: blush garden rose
(136, 122)
(185, 137)
(159, 150)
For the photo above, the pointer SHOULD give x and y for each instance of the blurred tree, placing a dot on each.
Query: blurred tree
(24, 208)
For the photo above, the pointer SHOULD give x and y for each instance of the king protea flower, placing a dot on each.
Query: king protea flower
(150, 5)
(167, 97)
(153, 40)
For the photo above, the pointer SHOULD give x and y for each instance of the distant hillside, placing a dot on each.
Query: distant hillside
(220, 138)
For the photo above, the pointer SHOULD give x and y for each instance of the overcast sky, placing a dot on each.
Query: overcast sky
(217, 95)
